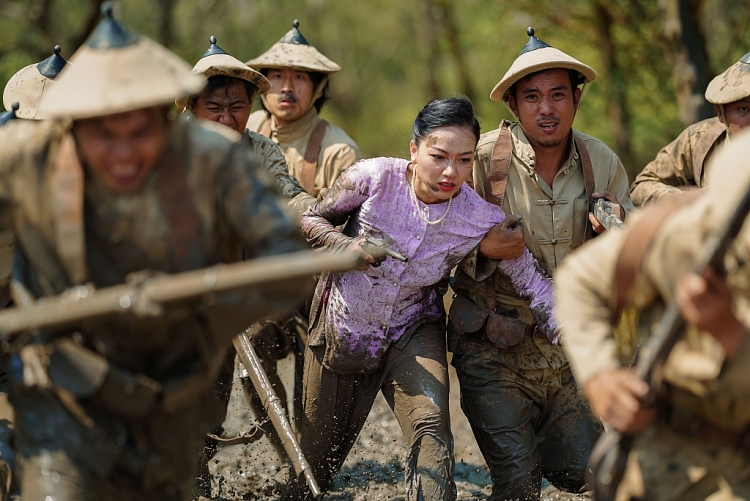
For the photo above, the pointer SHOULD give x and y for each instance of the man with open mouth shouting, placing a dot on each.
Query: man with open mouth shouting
(516, 385)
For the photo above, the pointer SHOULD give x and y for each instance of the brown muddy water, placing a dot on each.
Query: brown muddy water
(374, 469)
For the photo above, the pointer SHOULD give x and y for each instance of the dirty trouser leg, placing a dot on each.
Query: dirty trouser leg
(416, 387)
(335, 409)
(223, 389)
(567, 432)
(501, 411)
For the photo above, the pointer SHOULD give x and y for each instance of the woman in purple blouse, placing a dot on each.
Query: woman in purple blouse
(383, 327)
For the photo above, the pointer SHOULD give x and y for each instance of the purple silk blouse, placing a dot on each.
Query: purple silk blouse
(366, 311)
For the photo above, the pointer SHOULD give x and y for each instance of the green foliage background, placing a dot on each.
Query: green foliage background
(387, 47)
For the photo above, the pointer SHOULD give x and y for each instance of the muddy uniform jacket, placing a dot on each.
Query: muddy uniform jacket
(337, 152)
(698, 377)
(681, 164)
(554, 222)
(218, 194)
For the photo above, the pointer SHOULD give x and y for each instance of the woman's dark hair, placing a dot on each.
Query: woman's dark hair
(449, 112)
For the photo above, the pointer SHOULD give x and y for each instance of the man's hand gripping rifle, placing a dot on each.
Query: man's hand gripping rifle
(609, 457)
(379, 250)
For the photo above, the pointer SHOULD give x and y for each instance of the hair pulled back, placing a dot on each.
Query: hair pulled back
(449, 112)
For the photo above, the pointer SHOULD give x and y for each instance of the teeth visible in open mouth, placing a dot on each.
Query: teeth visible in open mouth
(124, 170)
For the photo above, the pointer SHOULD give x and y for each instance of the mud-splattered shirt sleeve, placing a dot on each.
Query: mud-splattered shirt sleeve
(349, 192)
(250, 202)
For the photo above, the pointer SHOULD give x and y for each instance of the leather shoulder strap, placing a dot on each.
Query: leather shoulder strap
(588, 168)
(588, 180)
(703, 146)
(502, 154)
(310, 162)
(638, 240)
(179, 207)
(67, 198)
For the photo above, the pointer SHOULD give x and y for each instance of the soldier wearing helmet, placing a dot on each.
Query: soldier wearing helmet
(108, 185)
(228, 99)
(516, 386)
(683, 164)
(315, 150)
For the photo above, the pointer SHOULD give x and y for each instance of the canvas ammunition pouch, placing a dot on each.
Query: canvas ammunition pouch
(88, 375)
(503, 329)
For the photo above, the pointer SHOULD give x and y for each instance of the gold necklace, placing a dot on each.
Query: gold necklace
(417, 201)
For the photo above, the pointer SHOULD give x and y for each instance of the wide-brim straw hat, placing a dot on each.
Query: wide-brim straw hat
(293, 52)
(29, 84)
(732, 85)
(217, 62)
(116, 71)
(537, 56)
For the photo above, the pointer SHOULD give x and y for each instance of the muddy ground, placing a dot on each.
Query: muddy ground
(374, 469)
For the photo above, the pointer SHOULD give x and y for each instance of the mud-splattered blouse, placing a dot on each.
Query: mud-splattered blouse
(363, 312)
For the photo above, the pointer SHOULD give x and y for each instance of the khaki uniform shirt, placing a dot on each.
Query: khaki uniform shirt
(680, 165)
(697, 375)
(337, 152)
(555, 220)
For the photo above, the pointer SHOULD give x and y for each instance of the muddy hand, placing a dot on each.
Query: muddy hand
(365, 258)
(615, 396)
(505, 240)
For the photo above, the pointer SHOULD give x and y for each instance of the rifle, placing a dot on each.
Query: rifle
(275, 411)
(379, 249)
(609, 456)
(146, 295)
(604, 214)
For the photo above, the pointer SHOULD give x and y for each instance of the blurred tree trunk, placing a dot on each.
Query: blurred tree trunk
(166, 30)
(686, 53)
(616, 81)
(450, 26)
(432, 47)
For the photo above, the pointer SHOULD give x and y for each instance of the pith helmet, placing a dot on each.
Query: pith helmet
(217, 62)
(537, 56)
(293, 52)
(117, 70)
(29, 84)
(732, 85)
(7, 116)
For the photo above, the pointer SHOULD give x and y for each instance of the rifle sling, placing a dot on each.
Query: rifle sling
(638, 239)
(500, 162)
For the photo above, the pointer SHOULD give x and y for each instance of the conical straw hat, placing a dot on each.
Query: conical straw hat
(537, 56)
(217, 62)
(732, 85)
(117, 70)
(28, 85)
(293, 52)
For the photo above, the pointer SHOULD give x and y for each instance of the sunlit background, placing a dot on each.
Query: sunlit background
(397, 54)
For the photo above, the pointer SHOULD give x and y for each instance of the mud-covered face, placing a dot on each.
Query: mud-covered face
(228, 105)
(291, 96)
(122, 149)
(444, 160)
(737, 115)
(545, 104)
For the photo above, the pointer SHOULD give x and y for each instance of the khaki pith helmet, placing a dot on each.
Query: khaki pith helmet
(28, 85)
(117, 70)
(7, 116)
(293, 52)
(732, 85)
(217, 62)
(537, 56)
